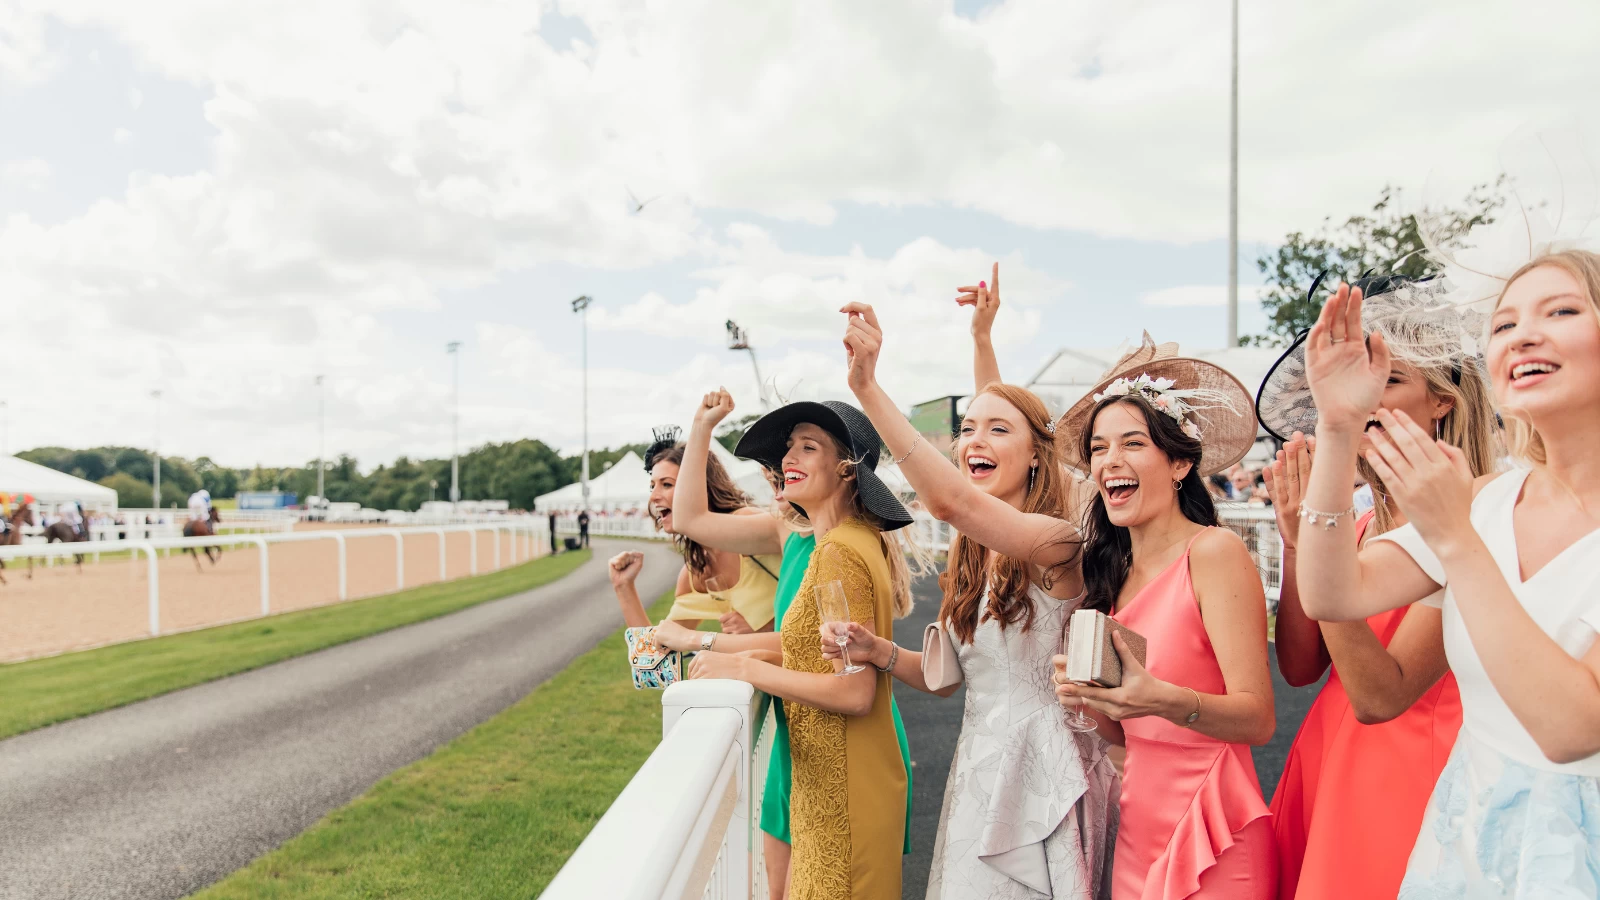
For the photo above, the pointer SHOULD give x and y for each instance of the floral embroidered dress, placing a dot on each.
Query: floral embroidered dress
(1030, 810)
(848, 800)
(1505, 821)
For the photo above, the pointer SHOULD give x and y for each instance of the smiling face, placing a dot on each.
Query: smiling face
(995, 447)
(1544, 346)
(663, 482)
(811, 466)
(1133, 475)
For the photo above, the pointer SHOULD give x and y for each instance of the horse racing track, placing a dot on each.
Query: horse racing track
(62, 608)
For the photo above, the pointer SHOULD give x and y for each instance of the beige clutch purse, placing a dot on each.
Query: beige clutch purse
(940, 668)
(1091, 657)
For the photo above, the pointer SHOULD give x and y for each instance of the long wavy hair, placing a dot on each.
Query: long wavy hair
(1008, 580)
(722, 496)
(1108, 551)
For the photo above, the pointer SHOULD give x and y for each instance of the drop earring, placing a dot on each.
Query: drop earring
(1032, 471)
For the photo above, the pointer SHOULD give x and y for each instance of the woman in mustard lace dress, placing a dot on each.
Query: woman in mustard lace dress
(848, 801)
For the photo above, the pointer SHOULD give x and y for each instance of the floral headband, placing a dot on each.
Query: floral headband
(1163, 395)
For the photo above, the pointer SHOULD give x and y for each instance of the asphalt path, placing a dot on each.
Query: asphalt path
(160, 798)
(932, 724)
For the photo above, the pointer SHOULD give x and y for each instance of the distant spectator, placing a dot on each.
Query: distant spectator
(552, 532)
(1218, 486)
(583, 528)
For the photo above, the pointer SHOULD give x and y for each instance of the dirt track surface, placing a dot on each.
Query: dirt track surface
(158, 799)
(63, 608)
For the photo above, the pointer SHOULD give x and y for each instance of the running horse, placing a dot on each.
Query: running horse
(203, 528)
(66, 534)
(12, 535)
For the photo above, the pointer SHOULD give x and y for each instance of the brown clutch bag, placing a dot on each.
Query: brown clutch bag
(940, 667)
(1091, 657)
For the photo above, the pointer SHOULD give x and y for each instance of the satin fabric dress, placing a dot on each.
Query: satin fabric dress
(1194, 823)
(1351, 799)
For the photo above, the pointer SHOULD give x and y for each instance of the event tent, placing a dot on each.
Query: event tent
(626, 485)
(49, 487)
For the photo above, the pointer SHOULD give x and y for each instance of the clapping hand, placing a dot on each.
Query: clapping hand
(984, 298)
(1287, 479)
(1347, 376)
(1429, 478)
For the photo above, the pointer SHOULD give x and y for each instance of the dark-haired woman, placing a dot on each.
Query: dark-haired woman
(1193, 820)
(733, 589)
(1030, 806)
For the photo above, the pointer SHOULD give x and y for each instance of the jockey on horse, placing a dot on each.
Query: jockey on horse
(70, 527)
(11, 534)
(202, 516)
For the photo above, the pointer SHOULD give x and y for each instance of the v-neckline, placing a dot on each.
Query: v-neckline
(1153, 581)
(1516, 545)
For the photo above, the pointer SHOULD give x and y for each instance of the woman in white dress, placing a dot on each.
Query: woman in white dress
(1516, 812)
(1030, 807)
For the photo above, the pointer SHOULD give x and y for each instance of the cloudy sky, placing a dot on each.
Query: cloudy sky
(223, 200)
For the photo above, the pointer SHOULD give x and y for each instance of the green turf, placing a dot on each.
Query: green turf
(42, 691)
(493, 813)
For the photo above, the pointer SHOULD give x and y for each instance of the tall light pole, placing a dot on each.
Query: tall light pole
(1233, 190)
(155, 493)
(739, 339)
(5, 427)
(322, 433)
(453, 348)
(581, 307)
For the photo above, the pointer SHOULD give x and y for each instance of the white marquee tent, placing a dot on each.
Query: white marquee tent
(626, 485)
(49, 487)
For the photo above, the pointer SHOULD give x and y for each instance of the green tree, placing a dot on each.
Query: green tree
(733, 430)
(131, 492)
(1384, 241)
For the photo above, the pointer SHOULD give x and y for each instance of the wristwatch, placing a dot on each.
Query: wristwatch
(707, 639)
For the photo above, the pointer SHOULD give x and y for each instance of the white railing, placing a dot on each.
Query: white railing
(527, 540)
(685, 827)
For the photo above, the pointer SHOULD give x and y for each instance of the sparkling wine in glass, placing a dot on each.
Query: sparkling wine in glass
(834, 610)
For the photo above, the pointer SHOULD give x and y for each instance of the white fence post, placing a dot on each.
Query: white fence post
(440, 533)
(154, 588)
(344, 591)
(472, 557)
(266, 591)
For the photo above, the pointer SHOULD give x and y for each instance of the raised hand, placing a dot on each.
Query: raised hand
(1429, 478)
(1286, 479)
(984, 298)
(1347, 376)
(714, 407)
(863, 338)
(860, 641)
(625, 567)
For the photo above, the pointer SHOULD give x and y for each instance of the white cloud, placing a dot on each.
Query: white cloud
(135, 98)
(28, 174)
(1198, 295)
(122, 136)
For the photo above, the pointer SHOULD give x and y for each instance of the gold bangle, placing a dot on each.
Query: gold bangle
(1194, 716)
(907, 455)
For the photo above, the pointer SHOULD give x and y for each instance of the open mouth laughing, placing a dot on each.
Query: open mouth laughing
(1120, 490)
(1529, 372)
(980, 466)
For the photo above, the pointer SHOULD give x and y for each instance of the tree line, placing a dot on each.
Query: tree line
(515, 471)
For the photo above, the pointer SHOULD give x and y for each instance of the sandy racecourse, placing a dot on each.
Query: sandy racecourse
(62, 609)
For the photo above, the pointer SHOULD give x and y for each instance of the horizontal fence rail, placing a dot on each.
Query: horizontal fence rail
(685, 827)
(512, 542)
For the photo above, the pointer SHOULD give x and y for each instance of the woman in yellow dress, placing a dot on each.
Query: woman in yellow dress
(848, 802)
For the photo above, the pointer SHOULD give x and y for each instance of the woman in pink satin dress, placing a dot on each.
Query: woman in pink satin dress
(1193, 820)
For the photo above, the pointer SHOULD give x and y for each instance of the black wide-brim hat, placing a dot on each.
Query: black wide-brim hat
(767, 441)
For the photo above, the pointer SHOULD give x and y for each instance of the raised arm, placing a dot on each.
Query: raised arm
(985, 302)
(1297, 639)
(1336, 583)
(745, 533)
(1044, 541)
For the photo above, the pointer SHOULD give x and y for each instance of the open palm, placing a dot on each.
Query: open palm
(1347, 373)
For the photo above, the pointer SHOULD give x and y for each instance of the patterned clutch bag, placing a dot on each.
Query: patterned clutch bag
(653, 665)
(1091, 657)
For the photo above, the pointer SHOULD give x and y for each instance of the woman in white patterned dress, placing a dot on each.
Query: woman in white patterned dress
(1030, 807)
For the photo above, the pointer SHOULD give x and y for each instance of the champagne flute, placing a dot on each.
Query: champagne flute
(834, 611)
(1077, 720)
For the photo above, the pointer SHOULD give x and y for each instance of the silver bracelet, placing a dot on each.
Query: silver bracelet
(914, 444)
(1328, 519)
(894, 654)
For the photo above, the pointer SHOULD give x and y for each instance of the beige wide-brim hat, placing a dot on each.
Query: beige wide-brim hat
(1227, 423)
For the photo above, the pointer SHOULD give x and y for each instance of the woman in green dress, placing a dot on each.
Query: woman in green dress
(789, 529)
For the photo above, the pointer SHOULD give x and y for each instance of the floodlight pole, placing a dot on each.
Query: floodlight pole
(155, 493)
(581, 307)
(453, 349)
(322, 423)
(739, 339)
(1233, 190)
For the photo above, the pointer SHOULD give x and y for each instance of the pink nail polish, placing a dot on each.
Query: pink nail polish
(983, 284)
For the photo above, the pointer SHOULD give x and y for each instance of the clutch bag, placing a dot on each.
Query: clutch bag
(940, 667)
(1091, 657)
(652, 665)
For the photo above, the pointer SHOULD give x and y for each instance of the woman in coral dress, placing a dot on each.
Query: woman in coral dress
(1193, 822)
(1358, 777)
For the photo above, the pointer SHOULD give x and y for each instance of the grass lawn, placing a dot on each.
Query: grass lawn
(42, 691)
(494, 813)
